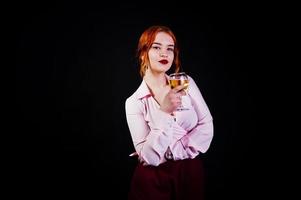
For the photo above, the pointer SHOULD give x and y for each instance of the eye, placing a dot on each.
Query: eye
(170, 49)
(156, 47)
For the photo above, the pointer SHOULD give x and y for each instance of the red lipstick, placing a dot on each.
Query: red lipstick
(163, 61)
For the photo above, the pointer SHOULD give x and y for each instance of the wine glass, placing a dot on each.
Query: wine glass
(179, 78)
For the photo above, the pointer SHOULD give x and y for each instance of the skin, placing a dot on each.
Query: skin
(155, 75)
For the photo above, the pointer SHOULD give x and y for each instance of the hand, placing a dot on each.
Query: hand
(173, 99)
(141, 160)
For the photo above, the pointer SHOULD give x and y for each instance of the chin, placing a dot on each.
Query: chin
(164, 68)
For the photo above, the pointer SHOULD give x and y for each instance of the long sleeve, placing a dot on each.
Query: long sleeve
(151, 137)
(199, 138)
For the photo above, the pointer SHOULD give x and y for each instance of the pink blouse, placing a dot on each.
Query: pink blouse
(153, 131)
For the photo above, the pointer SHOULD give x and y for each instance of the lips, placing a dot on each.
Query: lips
(164, 62)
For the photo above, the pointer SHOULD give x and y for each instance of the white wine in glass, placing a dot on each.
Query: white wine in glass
(177, 79)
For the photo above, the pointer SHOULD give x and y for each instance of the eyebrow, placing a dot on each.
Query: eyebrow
(170, 45)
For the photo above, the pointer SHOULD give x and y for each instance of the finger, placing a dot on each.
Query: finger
(183, 92)
(179, 95)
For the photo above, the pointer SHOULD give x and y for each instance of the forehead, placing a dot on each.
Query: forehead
(164, 38)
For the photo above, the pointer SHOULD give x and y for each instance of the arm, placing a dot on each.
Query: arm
(199, 138)
(151, 140)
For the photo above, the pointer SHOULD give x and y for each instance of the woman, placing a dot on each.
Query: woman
(167, 141)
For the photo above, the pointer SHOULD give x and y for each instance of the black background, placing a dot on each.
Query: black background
(76, 65)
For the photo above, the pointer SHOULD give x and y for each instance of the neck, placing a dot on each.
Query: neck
(157, 80)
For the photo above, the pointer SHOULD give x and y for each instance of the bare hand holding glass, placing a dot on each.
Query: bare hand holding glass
(177, 79)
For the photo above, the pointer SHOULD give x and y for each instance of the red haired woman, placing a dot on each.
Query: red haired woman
(168, 142)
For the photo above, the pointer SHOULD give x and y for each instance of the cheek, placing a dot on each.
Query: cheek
(152, 56)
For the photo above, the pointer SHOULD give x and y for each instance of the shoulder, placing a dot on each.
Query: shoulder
(193, 88)
(133, 104)
(132, 99)
(190, 78)
(192, 83)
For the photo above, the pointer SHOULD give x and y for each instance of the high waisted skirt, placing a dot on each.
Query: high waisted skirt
(172, 180)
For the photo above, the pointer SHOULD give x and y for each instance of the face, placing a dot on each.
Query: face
(161, 53)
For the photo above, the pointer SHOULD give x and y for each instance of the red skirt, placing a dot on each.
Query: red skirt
(172, 180)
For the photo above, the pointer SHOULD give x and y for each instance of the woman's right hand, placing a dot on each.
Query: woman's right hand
(173, 99)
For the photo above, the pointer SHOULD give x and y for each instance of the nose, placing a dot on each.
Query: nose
(163, 54)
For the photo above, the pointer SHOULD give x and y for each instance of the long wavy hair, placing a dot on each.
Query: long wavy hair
(145, 42)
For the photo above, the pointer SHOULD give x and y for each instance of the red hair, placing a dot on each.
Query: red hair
(145, 42)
